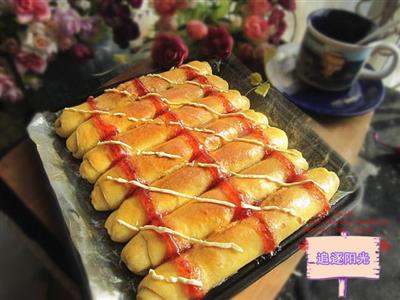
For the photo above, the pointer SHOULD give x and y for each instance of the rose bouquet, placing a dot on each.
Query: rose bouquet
(34, 32)
(216, 28)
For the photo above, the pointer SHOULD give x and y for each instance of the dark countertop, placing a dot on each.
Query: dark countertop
(376, 214)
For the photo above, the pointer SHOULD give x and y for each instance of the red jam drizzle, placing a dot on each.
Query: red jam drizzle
(140, 88)
(126, 166)
(247, 126)
(318, 195)
(106, 130)
(91, 102)
(116, 153)
(159, 106)
(201, 155)
(170, 116)
(193, 143)
(262, 229)
(291, 173)
(155, 218)
(187, 270)
(209, 88)
(236, 198)
(189, 73)
(228, 106)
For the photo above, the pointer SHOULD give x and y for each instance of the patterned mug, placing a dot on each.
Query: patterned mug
(330, 57)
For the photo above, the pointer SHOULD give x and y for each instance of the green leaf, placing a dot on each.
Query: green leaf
(255, 79)
(221, 10)
(263, 89)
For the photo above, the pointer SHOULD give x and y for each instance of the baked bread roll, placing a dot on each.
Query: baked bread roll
(148, 248)
(69, 120)
(103, 127)
(143, 208)
(149, 168)
(101, 157)
(260, 233)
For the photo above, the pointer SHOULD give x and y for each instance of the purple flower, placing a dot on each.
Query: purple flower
(8, 89)
(114, 12)
(88, 26)
(68, 21)
(125, 33)
(135, 3)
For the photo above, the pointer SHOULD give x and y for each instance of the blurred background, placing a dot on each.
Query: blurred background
(54, 54)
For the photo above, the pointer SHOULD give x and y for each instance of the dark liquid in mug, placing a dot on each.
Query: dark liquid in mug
(342, 26)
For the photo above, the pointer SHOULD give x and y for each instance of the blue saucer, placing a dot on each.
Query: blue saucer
(364, 96)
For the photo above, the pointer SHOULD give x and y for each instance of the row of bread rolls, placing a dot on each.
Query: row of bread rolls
(86, 135)
(68, 121)
(211, 266)
(201, 220)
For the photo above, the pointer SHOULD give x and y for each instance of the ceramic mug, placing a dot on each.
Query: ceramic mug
(330, 58)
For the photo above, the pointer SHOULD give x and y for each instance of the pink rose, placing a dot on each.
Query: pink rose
(289, 5)
(29, 10)
(255, 28)
(25, 61)
(258, 7)
(166, 7)
(219, 42)
(8, 89)
(169, 50)
(81, 51)
(196, 30)
(278, 25)
(246, 51)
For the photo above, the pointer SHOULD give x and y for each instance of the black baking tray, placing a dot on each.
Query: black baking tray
(98, 257)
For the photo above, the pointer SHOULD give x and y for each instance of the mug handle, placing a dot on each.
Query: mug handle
(375, 75)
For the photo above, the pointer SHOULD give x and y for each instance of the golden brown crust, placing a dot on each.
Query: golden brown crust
(198, 220)
(68, 121)
(216, 264)
(87, 135)
(150, 168)
(187, 203)
(234, 156)
(150, 135)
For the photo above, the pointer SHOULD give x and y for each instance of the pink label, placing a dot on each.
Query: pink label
(343, 257)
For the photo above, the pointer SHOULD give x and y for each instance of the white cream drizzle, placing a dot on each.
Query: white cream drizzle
(253, 176)
(288, 211)
(206, 107)
(122, 92)
(139, 152)
(199, 71)
(96, 111)
(175, 279)
(162, 77)
(203, 199)
(162, 229)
